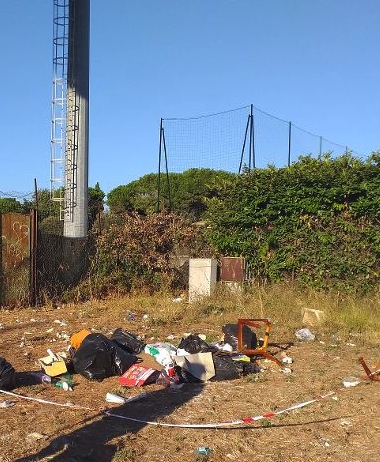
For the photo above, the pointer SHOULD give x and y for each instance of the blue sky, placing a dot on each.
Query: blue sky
(315, 63)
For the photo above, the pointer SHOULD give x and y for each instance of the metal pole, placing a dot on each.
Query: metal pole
(33, 217)
(36, 193)
(243, 149)
(252, 140)
(159, 169)
(289, 143)
(167, 173)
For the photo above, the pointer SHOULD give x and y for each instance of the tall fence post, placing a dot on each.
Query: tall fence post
(159, 170)
(289, 143)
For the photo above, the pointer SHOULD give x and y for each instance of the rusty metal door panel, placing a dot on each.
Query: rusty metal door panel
(15, 259)
(232, 269)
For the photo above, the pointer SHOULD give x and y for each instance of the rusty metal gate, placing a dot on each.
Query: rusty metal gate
(18, 259)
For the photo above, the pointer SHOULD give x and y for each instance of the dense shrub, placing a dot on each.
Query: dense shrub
(136, 252)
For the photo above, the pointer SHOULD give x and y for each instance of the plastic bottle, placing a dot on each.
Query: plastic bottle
(64, 385)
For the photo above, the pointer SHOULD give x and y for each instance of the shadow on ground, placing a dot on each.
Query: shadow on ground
(90, 441)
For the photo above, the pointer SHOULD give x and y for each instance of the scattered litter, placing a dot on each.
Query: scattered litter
(131, 316)
(305, 334)
(35, 436)
(7, 403)
(241, 357)
(227, 347)
(312, 317)
(117, 399)
(346, 423)
(286, 370)
(350, 382)
(285, 359)
(63, 335)
(203, 451)
(65, 381)
(325, 442)
(65, 385)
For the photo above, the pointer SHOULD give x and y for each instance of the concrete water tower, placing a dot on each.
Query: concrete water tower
(70, 114)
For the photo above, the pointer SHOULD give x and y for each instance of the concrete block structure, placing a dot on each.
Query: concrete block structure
(202, 277)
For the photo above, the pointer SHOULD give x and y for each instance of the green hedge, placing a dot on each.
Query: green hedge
(315, 222)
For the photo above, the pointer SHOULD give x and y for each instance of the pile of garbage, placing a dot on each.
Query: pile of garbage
(124, 354)
(96, 357)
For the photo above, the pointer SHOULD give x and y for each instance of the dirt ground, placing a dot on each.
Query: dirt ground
(345, 426)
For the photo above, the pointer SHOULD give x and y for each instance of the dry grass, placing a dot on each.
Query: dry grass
(342, 429)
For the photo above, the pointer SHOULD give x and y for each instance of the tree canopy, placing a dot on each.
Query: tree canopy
(181, 192)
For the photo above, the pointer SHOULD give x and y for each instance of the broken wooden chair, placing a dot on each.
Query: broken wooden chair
(259, 351)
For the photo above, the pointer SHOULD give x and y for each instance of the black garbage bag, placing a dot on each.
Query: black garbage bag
(231, 336)
(185, 376)
(194, 344)
(7, 375)
(225, 368)
(127, 341)
(99, 357)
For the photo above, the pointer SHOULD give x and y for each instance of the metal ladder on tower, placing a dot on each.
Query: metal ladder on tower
(64, 127)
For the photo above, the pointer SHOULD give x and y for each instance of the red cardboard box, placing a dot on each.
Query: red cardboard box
(138, 375)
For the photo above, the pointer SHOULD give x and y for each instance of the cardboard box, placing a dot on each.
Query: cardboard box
(138, 375)
(53, 367)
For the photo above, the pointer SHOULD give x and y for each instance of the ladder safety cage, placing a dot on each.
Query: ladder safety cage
(64, 123)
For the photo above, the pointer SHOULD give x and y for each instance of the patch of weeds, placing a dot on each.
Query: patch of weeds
(124, 454)
(251, 378)
(266, 423)
(157, 321)
(290, 378)
(212, 309)
(121, 391)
